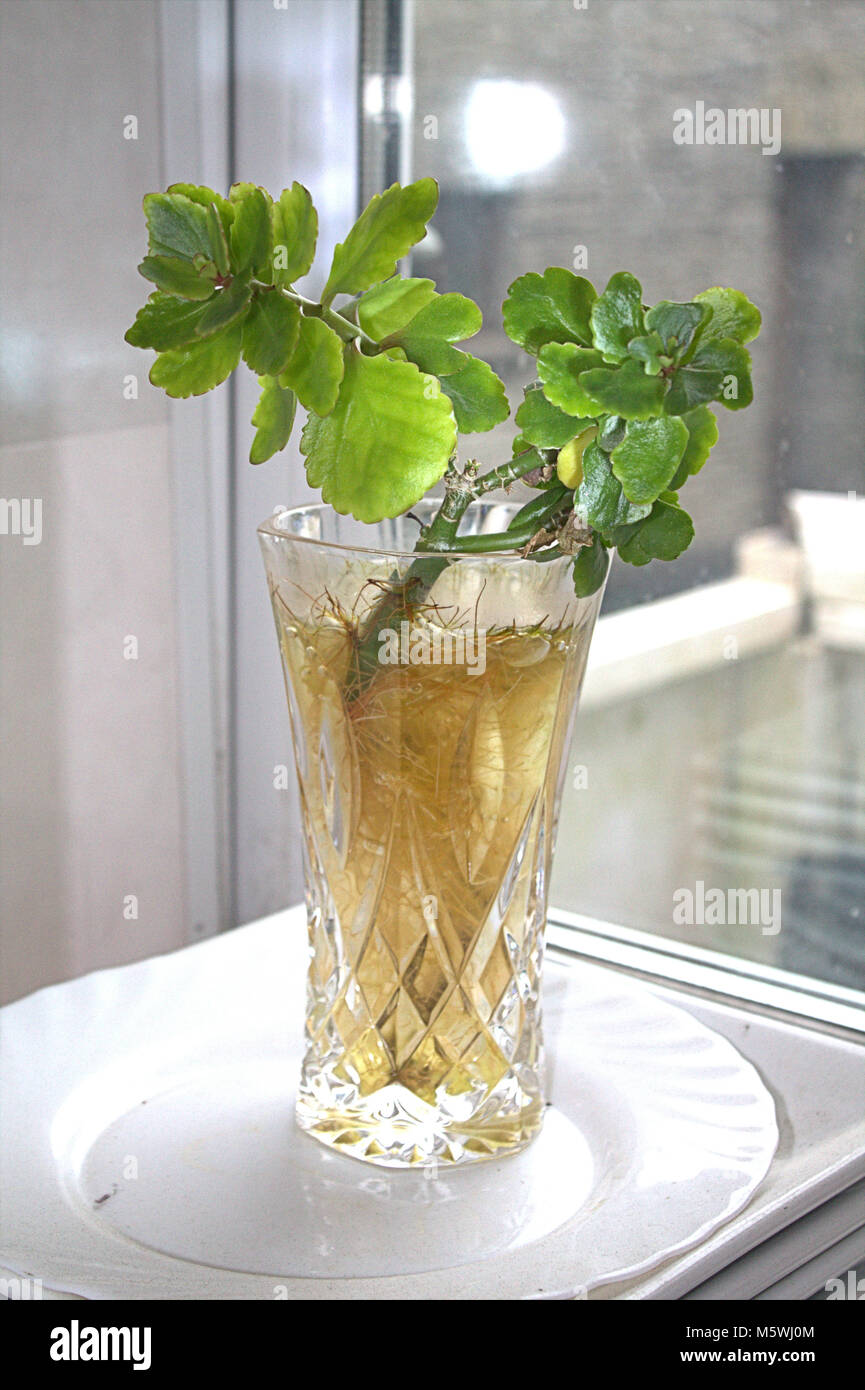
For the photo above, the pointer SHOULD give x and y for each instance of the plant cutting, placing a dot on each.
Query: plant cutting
(434, 643)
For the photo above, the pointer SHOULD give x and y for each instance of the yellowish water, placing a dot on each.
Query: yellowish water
(428, 803)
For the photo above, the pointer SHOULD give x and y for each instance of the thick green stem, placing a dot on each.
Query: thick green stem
(461, 489)
(491, 542)
(395, 606)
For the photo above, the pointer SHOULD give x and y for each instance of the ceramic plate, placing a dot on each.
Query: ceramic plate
(150, 1150)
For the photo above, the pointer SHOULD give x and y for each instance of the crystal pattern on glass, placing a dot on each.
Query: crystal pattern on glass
(428, 801)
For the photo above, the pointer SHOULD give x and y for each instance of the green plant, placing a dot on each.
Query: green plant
(610, 430)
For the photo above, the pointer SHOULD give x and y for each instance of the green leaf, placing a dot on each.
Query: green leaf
(734, 362)
(599, 498)
(224, 307)
(434, 355)
(692, 385)
(294, 232)
(648, 456)
(193, 370)
(166, 322)
(611, 432)
(251, 228)
(551, 308)
(451, 317)
(218, 241)
(270, 333)
(315, 368)
(702, 430)
(273, 418)
(733, 315)
(477, 396)
(200, 193)
(387, 440)
(541, 509)
(677, 325)
(542, 423)
(177, 226)
(389, 226)
(617, 316)
(720, 370)
(624, 390)
(647, 349)
(559, 367)
(178, 277)
(187, 242)
(665, 533)
(428, 339)
(590, 568)
(386, 308)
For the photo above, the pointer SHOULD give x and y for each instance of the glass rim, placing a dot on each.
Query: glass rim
(269, 527)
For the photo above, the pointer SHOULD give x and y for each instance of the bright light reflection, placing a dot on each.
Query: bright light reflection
(381, 94)
(512, 128)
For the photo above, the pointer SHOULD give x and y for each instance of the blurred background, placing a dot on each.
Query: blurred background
(142, 720)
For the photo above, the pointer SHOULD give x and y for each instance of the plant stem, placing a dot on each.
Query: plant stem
(440, 536)
(312, 308)
(394, 606)
(461, 489)
(346, 330)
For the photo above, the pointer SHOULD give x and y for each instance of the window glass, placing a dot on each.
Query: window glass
(558, 136)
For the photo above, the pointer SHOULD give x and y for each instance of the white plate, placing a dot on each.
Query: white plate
(150, 1150)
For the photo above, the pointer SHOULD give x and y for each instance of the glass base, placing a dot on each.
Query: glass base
(396, 1129)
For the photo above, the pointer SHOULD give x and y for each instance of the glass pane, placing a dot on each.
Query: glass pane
(740, 765)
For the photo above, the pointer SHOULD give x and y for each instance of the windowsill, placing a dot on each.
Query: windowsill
(804, 1218)
(652, 644)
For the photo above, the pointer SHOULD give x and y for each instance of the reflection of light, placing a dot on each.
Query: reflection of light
(386, 94)
(512, 128)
